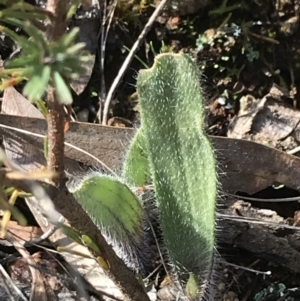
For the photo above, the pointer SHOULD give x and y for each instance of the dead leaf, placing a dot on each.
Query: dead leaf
(27, 152)
(24, 234)
(88, 34)
(40, 289)
(249, 167)
(274, 122)
(242, 123)
(79, 84)
(19, 150)
(267, 121)
(8, 289)
(107, 143)
(119, 122)
(244, 165)
(15, 103)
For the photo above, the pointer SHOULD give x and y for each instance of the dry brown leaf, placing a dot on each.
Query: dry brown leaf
(40, 289)
(107, 143)
(29, 154)
(244, 165)
(15, 103)
(24, 234)
(88, 34)
(19, 150)
(268, 121)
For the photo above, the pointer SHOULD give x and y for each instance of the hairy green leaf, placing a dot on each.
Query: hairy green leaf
(116, 210)
(182, 163)
(136, 167)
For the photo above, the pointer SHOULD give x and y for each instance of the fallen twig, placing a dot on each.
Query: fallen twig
(129, 58)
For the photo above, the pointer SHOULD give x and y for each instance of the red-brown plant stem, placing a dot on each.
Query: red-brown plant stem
(57, 28)
(62, 199)
(56, 119)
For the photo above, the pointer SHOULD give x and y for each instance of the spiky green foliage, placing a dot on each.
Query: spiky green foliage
(117, 211)
(182, 164)
(19, 9)
(41, 62)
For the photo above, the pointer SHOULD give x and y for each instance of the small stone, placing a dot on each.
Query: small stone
(221, 287)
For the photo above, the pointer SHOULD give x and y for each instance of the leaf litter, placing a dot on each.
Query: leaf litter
(267, 120)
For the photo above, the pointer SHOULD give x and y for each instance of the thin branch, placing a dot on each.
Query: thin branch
(6, 279)
(102, 56)
(129, 58)
(104, 34)
(276, 200)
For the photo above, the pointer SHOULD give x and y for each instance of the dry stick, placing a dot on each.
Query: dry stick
(276, 200)
(55, 121)
(253, 220)
(111, 15)
(129, 58)
(293, 151)
(8, 284)
(102, 56)
(104, 34)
